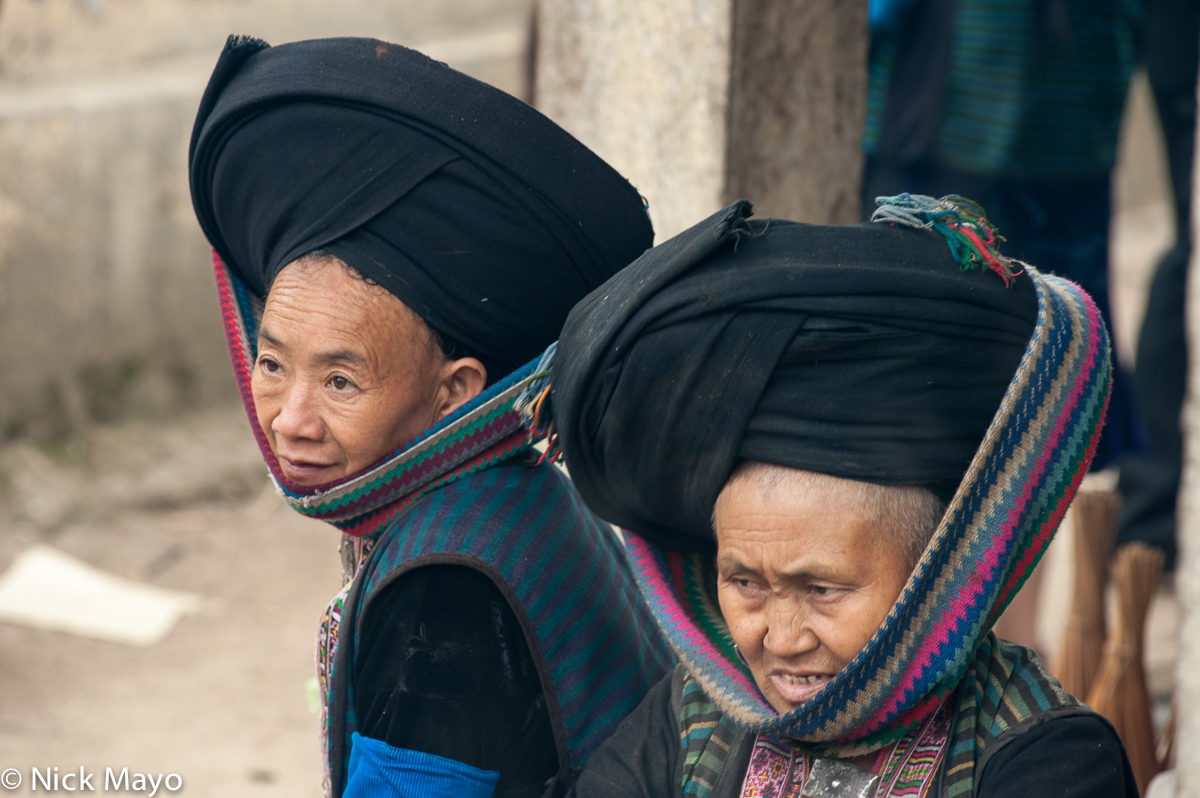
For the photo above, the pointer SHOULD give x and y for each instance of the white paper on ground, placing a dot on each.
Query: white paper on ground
(47, 589)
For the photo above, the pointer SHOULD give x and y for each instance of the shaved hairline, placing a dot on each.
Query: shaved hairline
(323, 258)
(909, 511)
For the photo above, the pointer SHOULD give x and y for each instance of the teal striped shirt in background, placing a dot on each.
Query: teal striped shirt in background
(1034, 88)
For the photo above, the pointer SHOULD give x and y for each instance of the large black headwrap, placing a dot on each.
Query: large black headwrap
(476, 211)
(858, 351)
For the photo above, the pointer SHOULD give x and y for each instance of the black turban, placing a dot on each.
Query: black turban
(476, 211)
(860, 351)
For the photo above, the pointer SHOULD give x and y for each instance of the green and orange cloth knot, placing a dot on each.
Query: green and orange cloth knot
(963, 223)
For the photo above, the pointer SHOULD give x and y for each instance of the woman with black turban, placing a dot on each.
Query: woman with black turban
(838, 452)
(394, 242)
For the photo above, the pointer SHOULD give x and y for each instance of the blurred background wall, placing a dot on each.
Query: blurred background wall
(107, 308)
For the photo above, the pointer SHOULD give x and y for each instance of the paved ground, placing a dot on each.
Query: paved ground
(221, 701)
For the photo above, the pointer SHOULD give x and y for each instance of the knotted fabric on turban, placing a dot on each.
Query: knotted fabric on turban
(861, 351)
(476, 211)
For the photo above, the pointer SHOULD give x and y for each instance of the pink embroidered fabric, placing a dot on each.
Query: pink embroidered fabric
(777, 770)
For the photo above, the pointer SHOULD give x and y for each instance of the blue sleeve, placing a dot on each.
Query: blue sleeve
(377, 770)
(886, 15)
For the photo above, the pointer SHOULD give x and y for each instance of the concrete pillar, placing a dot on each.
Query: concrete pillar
(699, 102)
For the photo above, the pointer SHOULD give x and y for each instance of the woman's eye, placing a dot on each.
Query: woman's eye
(268, 365)
(744, 583)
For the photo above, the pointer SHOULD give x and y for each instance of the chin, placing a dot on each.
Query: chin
(306, 481)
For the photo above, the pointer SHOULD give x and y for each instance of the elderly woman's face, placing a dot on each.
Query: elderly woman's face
(804, 580)
(345, 373)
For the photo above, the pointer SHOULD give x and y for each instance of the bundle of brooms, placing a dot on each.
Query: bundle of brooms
(1119, 691)
(1094, 516)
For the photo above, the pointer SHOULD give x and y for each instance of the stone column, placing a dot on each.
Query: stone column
(699, 102)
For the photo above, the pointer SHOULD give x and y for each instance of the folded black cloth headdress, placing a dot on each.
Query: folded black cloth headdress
(475, 210)
(863, 352)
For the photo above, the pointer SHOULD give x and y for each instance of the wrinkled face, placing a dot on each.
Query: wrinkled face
(345, 373)
(804, 580)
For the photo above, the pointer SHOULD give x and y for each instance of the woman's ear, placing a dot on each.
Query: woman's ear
(461, 381)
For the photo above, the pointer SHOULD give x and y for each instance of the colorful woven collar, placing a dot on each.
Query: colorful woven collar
(487, 430)
(995, 531)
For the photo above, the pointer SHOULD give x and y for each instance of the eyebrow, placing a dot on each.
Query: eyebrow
(263, 335)
(730, 564)
(788, 576)
(336, 356)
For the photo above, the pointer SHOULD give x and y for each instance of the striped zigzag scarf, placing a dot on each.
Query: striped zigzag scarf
(993, 534)
(483, 432)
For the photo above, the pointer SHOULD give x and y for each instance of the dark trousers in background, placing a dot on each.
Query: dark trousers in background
(1150, 483)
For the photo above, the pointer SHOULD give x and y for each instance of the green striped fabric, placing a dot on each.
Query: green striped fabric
(1027, 96)
(526, 527)
(1005, 685)
(706, 734)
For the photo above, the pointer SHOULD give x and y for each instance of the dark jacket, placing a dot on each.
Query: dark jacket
(1064, 752)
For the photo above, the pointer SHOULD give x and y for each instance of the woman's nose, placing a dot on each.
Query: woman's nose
(298, 416)
(788, 632)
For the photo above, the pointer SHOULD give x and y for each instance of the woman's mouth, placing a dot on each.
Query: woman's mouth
(302, 470)
(796, 688)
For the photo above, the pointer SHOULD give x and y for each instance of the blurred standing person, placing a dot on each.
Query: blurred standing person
(1150, 482)
(1016, 104)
